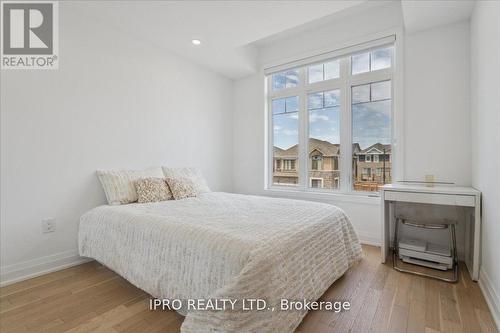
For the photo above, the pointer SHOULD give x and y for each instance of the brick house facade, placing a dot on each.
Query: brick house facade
(371, 166)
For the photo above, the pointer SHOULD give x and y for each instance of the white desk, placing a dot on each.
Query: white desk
(437, 195)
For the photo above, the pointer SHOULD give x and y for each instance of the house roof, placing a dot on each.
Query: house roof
(291, 152)
(328, 149)
(324, 147)
(378, 146)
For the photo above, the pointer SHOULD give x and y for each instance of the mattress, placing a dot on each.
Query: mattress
(225, 246)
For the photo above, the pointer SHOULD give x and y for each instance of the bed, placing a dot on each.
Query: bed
(225, 246)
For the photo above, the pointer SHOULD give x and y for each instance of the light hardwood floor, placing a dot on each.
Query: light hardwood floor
(91, 298)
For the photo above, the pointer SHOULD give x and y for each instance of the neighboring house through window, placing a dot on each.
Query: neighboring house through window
(312, 104)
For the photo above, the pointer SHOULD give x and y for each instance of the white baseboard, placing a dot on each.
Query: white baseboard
(32, 268)
(491, 296)
(366, 239)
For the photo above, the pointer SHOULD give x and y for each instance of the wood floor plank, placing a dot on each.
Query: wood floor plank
(475, 294)
(380, 278)
(416, 317)
(448, 303)
(432, 308)
(92, 298)
(403, 291)
(347, 285)
(485, 321)
(380, 321)
(367, 311)
(399, 319)
(71, 283)
(467, 312)
(47, 278)
(313, 323)
(417, 289)
(345, 320)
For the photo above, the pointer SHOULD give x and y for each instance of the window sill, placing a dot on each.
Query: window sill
(330, 197)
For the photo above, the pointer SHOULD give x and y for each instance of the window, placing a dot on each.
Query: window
(323, 72)
(289, 165)
(324, 135)
(317, 162)
(286, 138)
(371, 61)
(316, 182)
(371, 128)
(286, 79)
(312, 107)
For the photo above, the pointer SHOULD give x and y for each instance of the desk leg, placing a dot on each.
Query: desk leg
(469, 241)
(385, 236)
(477, 240)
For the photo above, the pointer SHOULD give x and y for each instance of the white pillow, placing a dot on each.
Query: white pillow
(194, 174)
(119, 185)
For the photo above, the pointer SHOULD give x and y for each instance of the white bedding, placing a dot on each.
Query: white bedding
(223, 245)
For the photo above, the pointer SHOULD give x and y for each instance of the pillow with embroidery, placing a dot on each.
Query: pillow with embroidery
(152, 190)
(182, 187)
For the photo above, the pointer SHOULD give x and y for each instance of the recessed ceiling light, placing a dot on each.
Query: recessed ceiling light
(196, 42)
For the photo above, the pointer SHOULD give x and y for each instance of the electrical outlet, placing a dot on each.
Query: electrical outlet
(48, 225)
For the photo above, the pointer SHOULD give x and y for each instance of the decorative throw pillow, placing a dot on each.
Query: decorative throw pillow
(152, 190)
(191, 173)
(119, 185)
(182, 187)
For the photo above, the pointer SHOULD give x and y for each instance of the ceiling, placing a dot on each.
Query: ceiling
(420, 14)
(232, 31)
(225, 28)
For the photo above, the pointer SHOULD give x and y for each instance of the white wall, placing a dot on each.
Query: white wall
(436, 135)
(485, 111)
(114, 103)
(437, 117)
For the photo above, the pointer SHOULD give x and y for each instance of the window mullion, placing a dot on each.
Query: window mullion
(270, 135)
(303, 131)
(345, 127)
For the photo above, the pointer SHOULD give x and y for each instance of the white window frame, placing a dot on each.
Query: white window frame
(316, 178)
(344, 83)
(285, 164)
(320, 163)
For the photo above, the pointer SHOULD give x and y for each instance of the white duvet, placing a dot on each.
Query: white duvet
(225, 246)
